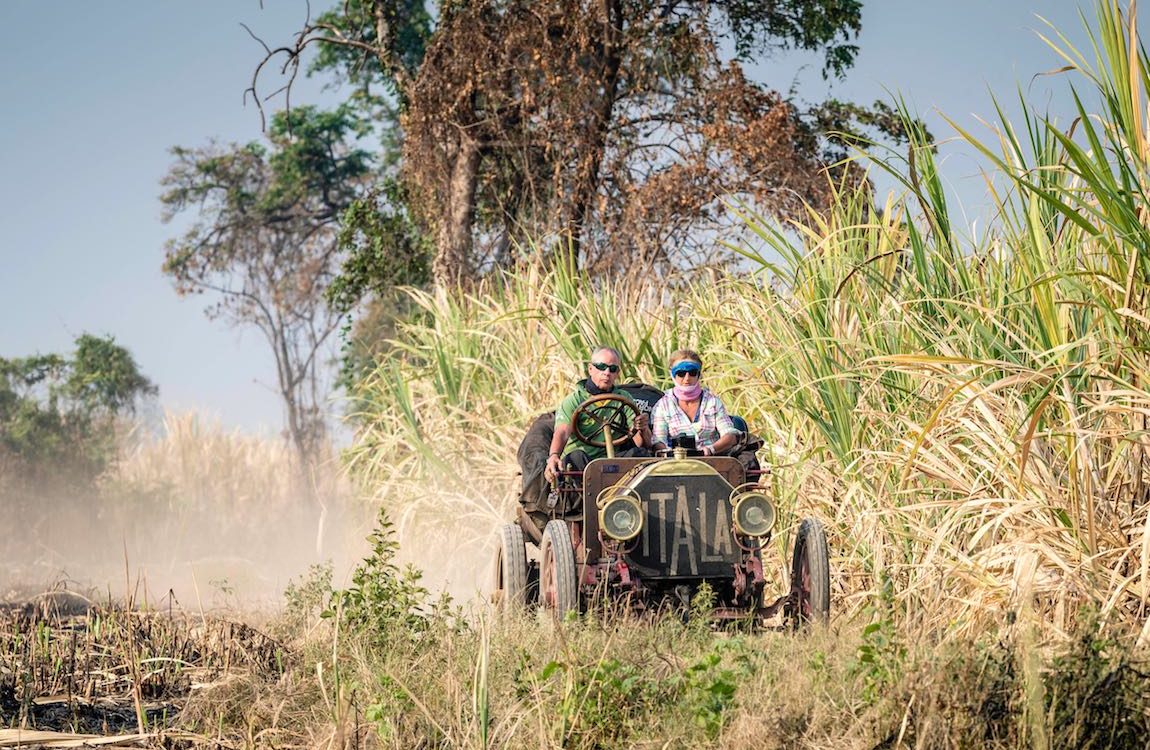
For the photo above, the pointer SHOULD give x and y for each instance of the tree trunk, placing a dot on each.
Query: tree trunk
(452, 264)
(589, 168)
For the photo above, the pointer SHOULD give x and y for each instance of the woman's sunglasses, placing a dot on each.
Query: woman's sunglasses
(684, 370)
(601, 366)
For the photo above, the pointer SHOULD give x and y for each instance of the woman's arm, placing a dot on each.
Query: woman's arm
(643, 434)
(728, 433)
(660, 429)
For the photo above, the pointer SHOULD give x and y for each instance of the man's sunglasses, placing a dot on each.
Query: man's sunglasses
(684, 370)
(601, 366)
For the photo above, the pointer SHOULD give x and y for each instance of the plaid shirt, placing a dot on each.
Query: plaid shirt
(711, 421)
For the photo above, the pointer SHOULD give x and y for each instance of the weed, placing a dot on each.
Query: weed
(305, 601)
(599, 705)
(707, 688)
(881, 656)
(383, 600)
(1097, 693)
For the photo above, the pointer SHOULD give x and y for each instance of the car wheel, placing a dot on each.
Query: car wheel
(810, 575)
(557, 579)
(509, 574)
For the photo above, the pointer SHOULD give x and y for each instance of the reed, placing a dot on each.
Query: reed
(968, 415)
(952, 406)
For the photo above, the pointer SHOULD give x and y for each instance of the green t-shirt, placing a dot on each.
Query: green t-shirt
(567, 408)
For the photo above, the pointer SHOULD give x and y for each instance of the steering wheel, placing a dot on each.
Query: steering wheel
(606, 412)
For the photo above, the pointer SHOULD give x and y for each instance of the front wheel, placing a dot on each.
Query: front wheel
(509, 574)
(558, 583)
(810, 575)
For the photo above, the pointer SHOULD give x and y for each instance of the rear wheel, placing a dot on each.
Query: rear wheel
(558, 583)
(509, 574)
(810, 575)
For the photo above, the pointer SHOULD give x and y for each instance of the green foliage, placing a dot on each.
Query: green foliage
(58, 415)
(601, 705)
(255, 202)
(104, 377)
(699, 612)
(410, 24)
(305, 600)
(313, 160)
(383, 602)
(384, 249)
(614, 700)
(390, 701)
(708, 687)
(802, 24)
(881, 657)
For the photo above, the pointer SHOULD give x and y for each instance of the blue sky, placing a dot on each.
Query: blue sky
(94, 94)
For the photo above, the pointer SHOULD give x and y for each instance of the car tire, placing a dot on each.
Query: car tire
(509, 573)
(558, 582)
(810, 575)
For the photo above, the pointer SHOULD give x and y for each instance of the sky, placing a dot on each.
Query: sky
(93, 95)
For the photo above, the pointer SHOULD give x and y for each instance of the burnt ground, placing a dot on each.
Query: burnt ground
(104, 717)
(73, 665)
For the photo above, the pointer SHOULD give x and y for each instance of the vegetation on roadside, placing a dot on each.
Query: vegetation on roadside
(967, 415)
(386, 665)
(61, 416)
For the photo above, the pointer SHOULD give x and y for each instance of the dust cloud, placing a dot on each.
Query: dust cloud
(217, 553)
(229, 554)
(450, 537)
(456, 562)
(206, 519)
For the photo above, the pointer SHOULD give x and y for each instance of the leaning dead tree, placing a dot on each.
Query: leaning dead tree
(609, 130)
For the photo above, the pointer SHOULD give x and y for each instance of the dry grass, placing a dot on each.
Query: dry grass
(214, 515)
(967, 416)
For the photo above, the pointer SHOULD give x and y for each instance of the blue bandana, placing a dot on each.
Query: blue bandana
(686, 366)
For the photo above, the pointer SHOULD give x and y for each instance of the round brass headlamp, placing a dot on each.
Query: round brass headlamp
(754, 513)
(621, 517)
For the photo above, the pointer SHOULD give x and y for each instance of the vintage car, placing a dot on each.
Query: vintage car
(649, 532)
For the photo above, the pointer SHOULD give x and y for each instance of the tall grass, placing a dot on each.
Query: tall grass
(212, 513)
(968, 415)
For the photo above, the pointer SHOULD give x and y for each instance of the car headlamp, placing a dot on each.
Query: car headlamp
(621, 517)
(754, 513)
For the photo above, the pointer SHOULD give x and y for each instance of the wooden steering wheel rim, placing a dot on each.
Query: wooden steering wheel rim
(623, 404)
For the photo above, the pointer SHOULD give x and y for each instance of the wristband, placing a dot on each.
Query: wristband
(552, 453)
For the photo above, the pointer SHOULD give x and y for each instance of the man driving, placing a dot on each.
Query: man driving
(566, 448)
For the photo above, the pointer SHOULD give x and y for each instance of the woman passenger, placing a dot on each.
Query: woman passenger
(691, 410)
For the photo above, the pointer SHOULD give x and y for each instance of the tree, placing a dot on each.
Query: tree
(612, 128)
(265, 242)
(58, 415)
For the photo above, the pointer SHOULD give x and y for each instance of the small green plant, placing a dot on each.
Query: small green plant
(880, 658)
(598, 704)
(305, 600)
(708, 687)
(312, 591)
(383, 599)
(699, 613)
